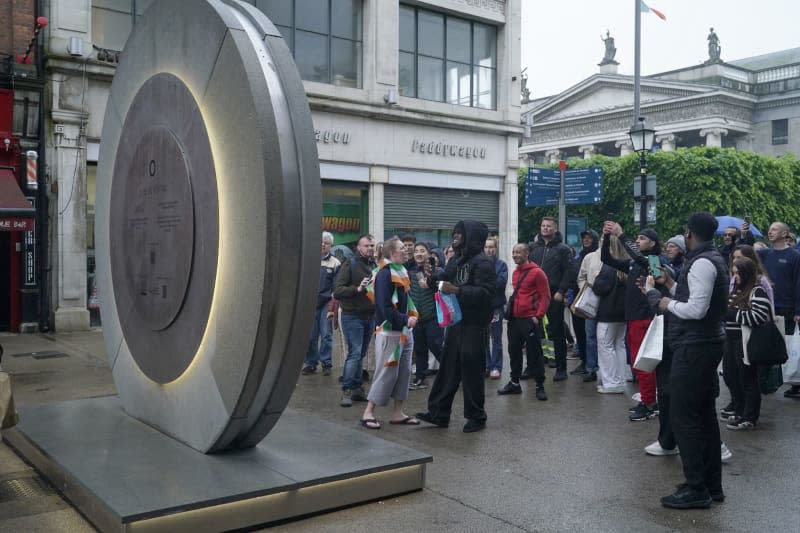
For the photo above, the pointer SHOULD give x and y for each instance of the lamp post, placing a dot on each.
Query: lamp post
(641, 137)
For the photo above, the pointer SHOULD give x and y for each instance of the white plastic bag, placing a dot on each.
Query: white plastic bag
(791, 368)
(650, 351)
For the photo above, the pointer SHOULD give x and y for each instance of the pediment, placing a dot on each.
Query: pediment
(596, 95)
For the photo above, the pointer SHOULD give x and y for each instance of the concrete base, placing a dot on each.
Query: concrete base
(67, 319)
(126, 476)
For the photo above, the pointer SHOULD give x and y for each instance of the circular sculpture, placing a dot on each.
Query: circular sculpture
(207, 223)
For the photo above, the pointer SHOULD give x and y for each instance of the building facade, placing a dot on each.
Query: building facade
(415, 106)
(750, 104)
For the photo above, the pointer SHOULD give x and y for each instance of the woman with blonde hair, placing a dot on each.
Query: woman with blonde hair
(396, 317)
(609, 285)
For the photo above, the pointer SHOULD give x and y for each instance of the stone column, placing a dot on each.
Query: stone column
(68, 250)
(667, 141)
(587, 151)
(625, 147)
(508, 225)
(713, 136)
(553, 156)
(378, 176)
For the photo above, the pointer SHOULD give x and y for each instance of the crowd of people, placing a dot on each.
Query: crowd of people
(708, 298)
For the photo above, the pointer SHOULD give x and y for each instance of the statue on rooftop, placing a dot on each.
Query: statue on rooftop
(611, 50)
(714, 49)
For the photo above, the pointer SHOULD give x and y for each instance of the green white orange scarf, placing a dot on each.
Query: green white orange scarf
(401, 281)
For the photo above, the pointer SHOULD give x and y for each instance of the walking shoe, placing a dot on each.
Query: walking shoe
(794, 392)
(580, 369)
(591, 376)
(656, 449)
(725, 453)
(610, 390)
(308, 370)
(727, 411)
(494, 374)
(427, 417)
(551, 363)
(359, 395)
(326, 371)
(716, 495)
(740, 423)
(654, 408)
(347, 398)
(474, 425)
(560, 375)
(526, 374)
(417, 384)
(687, 498)
(541, 395)
(641, 413)
(634, 408)
(510, 388)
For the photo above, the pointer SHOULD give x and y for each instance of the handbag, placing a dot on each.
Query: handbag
(448, 312)
(586, 303)
(8, 411)
(651, 350)
(766, 345)
(509, 314)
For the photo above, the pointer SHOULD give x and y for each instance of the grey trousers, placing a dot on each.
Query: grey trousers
(390, 381)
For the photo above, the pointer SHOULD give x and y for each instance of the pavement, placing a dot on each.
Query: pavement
(573, 463)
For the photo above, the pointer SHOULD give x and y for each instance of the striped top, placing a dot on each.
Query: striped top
(758, 312)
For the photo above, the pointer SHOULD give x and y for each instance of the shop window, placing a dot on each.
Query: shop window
(324, 36)
(447, 59)
(780, 131)
(26, 114)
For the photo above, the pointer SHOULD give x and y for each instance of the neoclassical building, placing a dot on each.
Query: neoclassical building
(750, 104)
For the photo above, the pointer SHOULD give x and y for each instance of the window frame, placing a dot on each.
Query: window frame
(474, 68)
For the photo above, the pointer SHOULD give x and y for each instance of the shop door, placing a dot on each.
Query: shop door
(6, 256)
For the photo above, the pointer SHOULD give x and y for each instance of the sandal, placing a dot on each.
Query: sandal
(370, 423)
(407, 421)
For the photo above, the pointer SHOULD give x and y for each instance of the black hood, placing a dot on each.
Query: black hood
(475, 234)
(595, 238)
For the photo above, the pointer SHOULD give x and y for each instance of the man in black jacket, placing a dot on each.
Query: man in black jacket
(357, 316)
(695, 333)
(470, 276)
(554, 257)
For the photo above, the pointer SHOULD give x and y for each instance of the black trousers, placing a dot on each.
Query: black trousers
(522, 332)
(580, 335)
(427, 337)
(666, 437)
(743, 379)
(463, 360)
(555, 318)
(694, 387)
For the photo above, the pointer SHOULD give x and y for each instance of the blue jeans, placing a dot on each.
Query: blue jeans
(494, 357)
(591, 345)
(321, 331)
(357, 332)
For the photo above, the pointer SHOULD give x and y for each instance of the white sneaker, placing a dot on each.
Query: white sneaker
(610, 390)
(637, 397)
(656, 449)
(726, 454)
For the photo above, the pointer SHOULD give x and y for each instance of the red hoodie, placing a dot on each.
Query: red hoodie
(533, 297)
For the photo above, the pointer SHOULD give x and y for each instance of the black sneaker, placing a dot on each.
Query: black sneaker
(474, 425)
(641, 413)
(510, 388)
(526, 374)
(541, 395)
(687, 498)
(633, 408)
(727, 411)
(326, 371)
(591, 376)
(793, 392)
(560, 375)
(427, 417)
(308, 370)
(551, 363)
(580, 369)
(740, 424)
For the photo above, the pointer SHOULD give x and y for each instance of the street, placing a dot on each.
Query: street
(573, 463)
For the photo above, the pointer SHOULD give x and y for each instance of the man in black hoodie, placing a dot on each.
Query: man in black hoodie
(555, 258)
(470, 276)
(589, 240)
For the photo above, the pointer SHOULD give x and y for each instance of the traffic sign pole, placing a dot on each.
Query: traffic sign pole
(562, 206)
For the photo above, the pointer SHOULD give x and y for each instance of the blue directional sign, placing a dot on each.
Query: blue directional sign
(582, 186)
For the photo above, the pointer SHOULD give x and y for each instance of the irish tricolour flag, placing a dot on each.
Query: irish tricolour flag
(647, 9)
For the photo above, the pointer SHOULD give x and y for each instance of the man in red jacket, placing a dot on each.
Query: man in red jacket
(526, 307)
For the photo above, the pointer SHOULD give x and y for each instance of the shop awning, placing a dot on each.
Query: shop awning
(16, 212)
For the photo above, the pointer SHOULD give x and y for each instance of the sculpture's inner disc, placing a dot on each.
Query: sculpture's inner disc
(158, 228)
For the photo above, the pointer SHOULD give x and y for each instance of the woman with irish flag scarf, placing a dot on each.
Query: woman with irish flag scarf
(394, 343)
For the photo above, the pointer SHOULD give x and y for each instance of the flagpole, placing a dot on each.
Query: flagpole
(637, 44)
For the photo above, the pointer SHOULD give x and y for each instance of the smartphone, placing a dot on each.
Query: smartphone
(747, 218)
(610, 216)
(655, 265)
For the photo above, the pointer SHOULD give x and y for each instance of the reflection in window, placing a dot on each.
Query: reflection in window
(324, 36)
(447, 59)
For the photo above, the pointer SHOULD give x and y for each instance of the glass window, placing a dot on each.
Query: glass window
(469, 48)
(780, 131)
(26, 114)
(325, 37)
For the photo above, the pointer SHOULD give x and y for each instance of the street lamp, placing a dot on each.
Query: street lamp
(642, 139)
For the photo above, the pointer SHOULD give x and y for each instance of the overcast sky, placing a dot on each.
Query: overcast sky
(561, 38)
